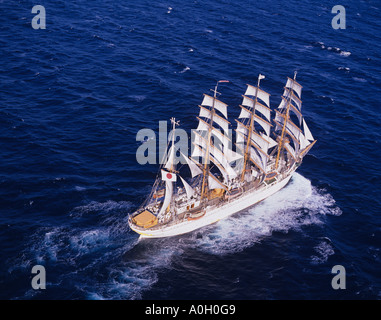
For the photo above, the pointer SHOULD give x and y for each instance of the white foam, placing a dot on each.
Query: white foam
(345, 53)
(184, 70)
(324, 249)
(298, 204)
(360, 79)
(137, 98)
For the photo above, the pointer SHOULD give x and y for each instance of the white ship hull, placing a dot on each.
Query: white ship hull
(214, 214)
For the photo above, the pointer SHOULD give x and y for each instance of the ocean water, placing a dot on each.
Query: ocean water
(74, 96)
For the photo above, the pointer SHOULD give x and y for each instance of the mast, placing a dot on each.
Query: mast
(168, 199)
(174, 124)
(207, 152)
(246, 157)
(284, 125)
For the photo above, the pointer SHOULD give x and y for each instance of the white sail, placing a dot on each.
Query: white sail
(241, 128)
(292, 127)
(188, 189)
(295, 86)
(283, 105)
(193, 166)
(279, 126)
(307, 131)
(261, 140)
(168, 196)
(202, 125)
(219, 105)
(214, 183)
(220, 140)
(248, 102)
(263, 123)
(198, 152)
(272, 142)
(294, 98)
(204, 112)
(232, 155)
(244, 113)
(303, 141)
(257, 159)
(263, 95)
(215, 155)
(171, 157)
(290, 150)
(223, 123)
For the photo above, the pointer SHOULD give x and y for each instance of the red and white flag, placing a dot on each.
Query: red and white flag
(168, 176)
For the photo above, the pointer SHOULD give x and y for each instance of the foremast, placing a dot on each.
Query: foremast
(169, 174)
(281, 140)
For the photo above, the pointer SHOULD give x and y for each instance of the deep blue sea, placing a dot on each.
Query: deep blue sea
(74, 95)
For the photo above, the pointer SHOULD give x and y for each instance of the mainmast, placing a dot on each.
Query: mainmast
(246, 157)
(284, 125)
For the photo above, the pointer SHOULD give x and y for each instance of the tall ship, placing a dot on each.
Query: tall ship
(226, 177)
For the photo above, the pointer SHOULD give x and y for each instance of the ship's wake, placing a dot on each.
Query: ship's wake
(298, 204)
(96, 256)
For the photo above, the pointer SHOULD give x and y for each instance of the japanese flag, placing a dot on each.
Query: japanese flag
(168, 176)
